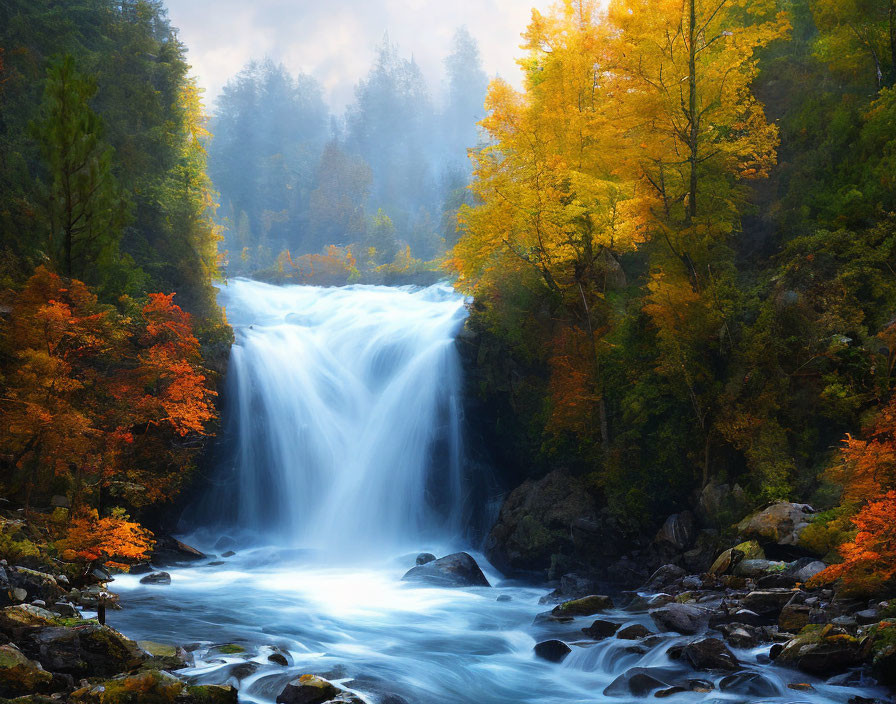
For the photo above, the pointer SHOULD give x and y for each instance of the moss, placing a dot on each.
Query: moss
(212, 694)
(751, 550)
(230, 649)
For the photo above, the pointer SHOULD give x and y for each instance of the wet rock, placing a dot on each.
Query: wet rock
(537, 521)
(741, 635)
(663, 577)
(586, 606)
(156, 578)
(229, 553)
(706, 654)
(883, 652)
(15, 620)
(767, 602)
(504, 597)
(634, 632)
(600, 629)
(425, 557)
(90, 650)
(750, 684)
(867, 616)
(19, 675)
(152, 686)
(456, 570)
(804, 569)
(65, 610)
(758, 568)
(307, 689)
(552, 650)
(678, 531)
(823, 650)
(794, 617)
(681, 618)
(638, 682)
(546, 617)
(278, 659)
(164, 656)
(141, 568)
(781, 523)
(169, 551)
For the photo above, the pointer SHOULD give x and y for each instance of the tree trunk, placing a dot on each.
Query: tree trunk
(692, 109)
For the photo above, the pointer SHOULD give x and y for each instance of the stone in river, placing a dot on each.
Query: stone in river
(425, 557)
(307, 689)
(156, 578)
(456, 570)
(552, 650)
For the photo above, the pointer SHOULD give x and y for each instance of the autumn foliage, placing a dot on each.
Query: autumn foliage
(869, 559)
(101, 404)
(113, 539)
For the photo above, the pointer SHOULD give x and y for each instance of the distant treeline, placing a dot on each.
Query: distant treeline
(389, 174)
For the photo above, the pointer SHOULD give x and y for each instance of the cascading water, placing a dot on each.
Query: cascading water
(343, 417)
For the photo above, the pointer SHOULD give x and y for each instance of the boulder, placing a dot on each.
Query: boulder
(156, 578)
(680, 618)
(729, 559)
(424, 557)
(19, 675)
(663, 577)
(586, 606)
(538, 520)
(781, 523)
(456, 570)
(552, 650)
(823, 650)
(750, 684)
(758, 568)
(307, 689)
(634, 632)
(883, 652)
(678, 531)
(706, 654)
(804, 569)
(638, 682)
(14, 620)
(90, 650)
(600, 629)
(767, 602)
(794, 617)
(169, 551)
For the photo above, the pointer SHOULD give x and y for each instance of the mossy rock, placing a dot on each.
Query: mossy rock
(211, 694)
(823, 650)
(883, 651)
(19, 675)
(586, 606)
(228, 649)
(150, 687)
(751, 550)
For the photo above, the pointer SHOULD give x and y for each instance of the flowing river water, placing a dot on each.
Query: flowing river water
(342, 458)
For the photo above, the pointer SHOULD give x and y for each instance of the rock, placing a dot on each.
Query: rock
(883, 652)
(539, 519)
(168, 552)
(156, 578)
(229, 553)
(141, 568)
(678, 531)
(575, 586)
(822, 650)
(729, 559)
(750, 684)
(794, 617)
(65, 610)
(600, 629)
(425, 557)
(804, 569)
(552, 650)
(638, 682)
(757, 568)
(457, 570)
(14, 620)
(781, 523)
(634, 632)
(740, 635)
(767, 602)
(706, 654)
(20, 675)
(867, 616)
(90, 650)
(681, 618)
(586, 606)
(153, 687)
(278, 659)
(504, 597)
(307, 689)
(663, 577)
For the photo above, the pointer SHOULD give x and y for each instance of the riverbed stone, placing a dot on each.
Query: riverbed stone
(425, 557)
(823, 650)
(601, 629)
(586, 606)
(750, 684)
(456, 570)
(706, 654)
(552, 650)
(636, 631)
(307, 689)
(663, 577)
(780, 523)
(681, 618)
(639, 682)
(156, 578)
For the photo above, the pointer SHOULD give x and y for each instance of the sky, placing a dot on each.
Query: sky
(334, 40)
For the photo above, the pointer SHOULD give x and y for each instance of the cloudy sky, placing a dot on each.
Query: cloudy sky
(334, 40)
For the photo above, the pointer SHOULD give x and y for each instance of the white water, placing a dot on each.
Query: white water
(345, 435)
(345, 414)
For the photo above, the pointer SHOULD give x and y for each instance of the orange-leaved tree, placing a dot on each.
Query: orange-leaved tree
(114, 539)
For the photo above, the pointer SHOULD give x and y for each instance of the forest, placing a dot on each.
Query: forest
(671, 253)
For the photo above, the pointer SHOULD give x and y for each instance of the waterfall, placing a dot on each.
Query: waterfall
(343, 415)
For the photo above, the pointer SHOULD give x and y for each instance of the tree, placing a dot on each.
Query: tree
(86, 207)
